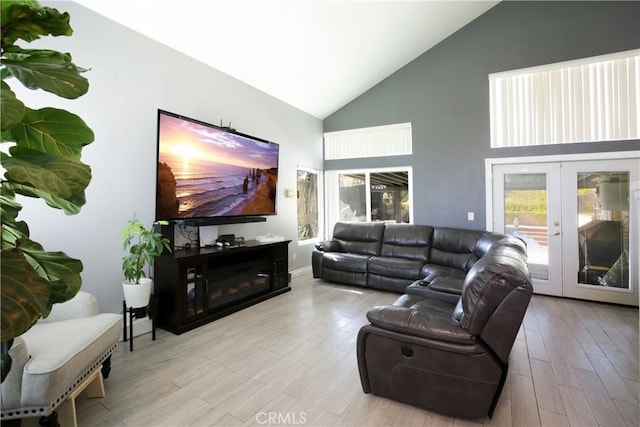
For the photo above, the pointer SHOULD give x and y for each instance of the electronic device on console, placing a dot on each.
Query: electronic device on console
(229, 240)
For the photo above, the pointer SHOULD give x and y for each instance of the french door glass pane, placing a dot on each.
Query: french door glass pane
(603, 229)
(353, 197)
(525, 216)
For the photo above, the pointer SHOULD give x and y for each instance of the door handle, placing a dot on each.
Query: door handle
(557, 233)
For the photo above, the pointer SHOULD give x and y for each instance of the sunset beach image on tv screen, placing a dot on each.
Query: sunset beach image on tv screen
(205, 172)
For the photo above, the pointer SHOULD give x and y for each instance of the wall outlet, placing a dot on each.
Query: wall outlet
(294, 256)
(470, 216)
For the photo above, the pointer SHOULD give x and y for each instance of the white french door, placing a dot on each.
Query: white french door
(527, 204)
(580, 222)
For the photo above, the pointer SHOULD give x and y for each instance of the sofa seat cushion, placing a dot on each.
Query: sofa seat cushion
(400, 268)
(345, 262)
(63, 353)
(422, 317)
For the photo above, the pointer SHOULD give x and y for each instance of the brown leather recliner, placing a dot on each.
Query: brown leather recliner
(445, 357)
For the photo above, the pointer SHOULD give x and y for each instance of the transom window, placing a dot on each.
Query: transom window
(587, 100)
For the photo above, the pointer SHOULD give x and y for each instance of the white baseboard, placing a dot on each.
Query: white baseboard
(300, 271)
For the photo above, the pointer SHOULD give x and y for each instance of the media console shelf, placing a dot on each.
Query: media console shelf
(197, 286)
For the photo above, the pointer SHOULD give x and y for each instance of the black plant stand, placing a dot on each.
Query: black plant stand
(137, 313)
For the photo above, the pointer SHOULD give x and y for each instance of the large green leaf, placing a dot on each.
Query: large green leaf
(12, 229)
(59, 77)
(9, 207)
(60, 270)
(52, 131)
(25, 294)
(27, 20)
(11, 108)
(70, 206)
(18, 53)
(60, 181)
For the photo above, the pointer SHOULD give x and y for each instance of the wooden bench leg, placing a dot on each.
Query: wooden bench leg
(93, 385)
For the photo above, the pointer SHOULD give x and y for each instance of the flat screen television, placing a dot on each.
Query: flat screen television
(207, 173)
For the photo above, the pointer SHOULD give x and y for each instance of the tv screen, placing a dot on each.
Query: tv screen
(206, 171)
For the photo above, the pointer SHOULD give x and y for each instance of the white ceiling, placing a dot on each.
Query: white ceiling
(316, 55)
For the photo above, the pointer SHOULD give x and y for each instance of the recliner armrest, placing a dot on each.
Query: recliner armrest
(430, 324)
(447, 285)
(329, 246)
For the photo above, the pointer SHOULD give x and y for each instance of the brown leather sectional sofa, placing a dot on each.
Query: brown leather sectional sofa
(444, 345)
(434, 260)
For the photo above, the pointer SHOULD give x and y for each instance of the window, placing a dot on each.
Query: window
(369, 195)
(308, 190)
(587, 100)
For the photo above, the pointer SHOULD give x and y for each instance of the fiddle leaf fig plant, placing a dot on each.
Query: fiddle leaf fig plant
(144, 246)
(40, 152)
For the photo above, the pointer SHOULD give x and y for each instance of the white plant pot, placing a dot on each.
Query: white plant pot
(137, 295)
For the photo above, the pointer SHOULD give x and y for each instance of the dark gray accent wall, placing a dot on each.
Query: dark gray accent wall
(445, 95)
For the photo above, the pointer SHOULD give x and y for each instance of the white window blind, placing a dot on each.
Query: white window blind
(377, 141)
(587, 100)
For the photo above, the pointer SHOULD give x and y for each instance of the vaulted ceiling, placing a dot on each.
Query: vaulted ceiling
(316, 55)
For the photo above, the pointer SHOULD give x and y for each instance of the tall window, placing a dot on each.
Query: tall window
(308, 190)
(586, 100)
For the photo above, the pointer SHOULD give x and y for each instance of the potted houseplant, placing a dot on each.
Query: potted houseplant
(143, 246)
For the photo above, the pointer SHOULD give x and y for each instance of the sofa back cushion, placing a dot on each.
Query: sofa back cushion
(407, 241)
(453, 247)
(363, 238)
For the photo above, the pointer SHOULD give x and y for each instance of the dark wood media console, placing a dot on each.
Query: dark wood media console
(197, 286)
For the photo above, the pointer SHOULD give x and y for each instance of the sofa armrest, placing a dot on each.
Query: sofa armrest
(329, 246)
(83, 304)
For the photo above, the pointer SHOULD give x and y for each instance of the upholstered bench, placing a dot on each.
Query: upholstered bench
(58, 356)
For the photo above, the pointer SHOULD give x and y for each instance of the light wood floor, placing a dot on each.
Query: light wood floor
(291, 360)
